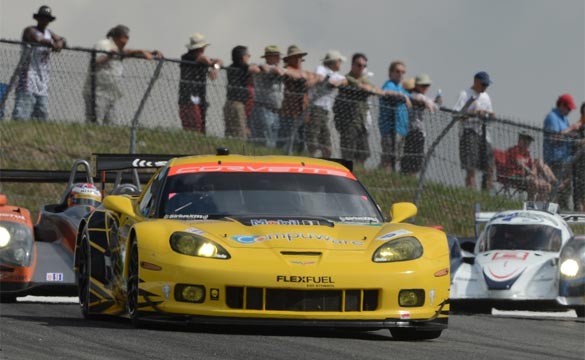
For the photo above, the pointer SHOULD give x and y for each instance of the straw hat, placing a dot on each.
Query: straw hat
(197, 41)
(294, 50)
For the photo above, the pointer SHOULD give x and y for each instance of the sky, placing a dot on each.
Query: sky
(534, 50)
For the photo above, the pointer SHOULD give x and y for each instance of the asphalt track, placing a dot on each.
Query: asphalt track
(41, 330)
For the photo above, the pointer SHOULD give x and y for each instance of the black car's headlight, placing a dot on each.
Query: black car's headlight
(195, 245)
(406, 248)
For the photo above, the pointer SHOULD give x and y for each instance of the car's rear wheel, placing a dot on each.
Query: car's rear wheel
(580, 310)
(7, 298)
(84, 273)
(133, 285)
(414, 334)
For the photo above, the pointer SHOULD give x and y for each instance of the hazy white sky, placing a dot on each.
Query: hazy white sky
(533, 49)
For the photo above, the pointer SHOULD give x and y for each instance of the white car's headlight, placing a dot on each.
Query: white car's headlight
(570, 267)
(195, 245)
(406, 248)
(4, 237)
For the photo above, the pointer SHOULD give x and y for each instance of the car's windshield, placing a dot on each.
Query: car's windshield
(200, 195)
(523, 237)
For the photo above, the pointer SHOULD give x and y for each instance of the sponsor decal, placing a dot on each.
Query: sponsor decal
(139, 163)
(275, 222)
(12, 277)
(254, 239)
(13, 216)
(305, 279)
(512, 255)
(394, 234)
(359, 219)
(186, 217)
(195, 231)
(404, 315)
(214, 294)
(54, 277)
(260, 168)
(300, 262)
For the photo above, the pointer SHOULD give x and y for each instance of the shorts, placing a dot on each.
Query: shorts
(317, 133)
(474, 152)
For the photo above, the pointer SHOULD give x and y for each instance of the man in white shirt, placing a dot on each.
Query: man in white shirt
(321, 99)
(475, 151)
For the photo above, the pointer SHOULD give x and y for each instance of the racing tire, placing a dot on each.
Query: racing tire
(133, 286)
(7, 298)
(413, 334)
(83, 274)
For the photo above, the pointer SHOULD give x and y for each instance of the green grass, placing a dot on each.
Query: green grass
(50, 145)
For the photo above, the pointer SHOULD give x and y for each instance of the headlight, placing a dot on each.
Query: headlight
(4, 237)
(406, 248)
(195, 245)
(570, 267)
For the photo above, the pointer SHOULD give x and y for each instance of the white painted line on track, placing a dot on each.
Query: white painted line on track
(537, 314)
(50, 299)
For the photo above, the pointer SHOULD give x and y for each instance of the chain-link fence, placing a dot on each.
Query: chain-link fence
(174, 107)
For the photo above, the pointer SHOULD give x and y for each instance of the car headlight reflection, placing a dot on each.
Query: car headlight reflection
(4, 237)
(195, 245)
(406, 248)
(570, 267)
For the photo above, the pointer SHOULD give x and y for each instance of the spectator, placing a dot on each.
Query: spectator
(321, 98)
(393, 119)
(234, 110)
(408, 84)
(196, 68)
(579, 164)
(294, 104)
(522, 172)
(414, 143)
(475, 151)
(108, 76)
(267, 98)
(557, 146)
(351, 111)
(32, 89)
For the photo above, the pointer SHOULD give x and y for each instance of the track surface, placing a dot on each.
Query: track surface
(33, 330)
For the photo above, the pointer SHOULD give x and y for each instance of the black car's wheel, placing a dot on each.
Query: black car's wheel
(84, 273)
(7, 298)
(133, 285)
(413, 334)
(580, 310)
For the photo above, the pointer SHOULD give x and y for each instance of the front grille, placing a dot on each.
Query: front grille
(252, 298)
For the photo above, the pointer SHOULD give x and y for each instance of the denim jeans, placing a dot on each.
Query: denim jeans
(264, 125)
(30, 106)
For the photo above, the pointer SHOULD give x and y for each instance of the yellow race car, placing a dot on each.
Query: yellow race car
(262, 240)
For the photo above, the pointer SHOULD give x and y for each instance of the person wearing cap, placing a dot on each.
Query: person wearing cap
(408, 85)
(414, 143)
(522, 172)
(393, 118)
(295, 100)
(268, 87)
(32, 89)
(103, 85)
(557, 146)
(196, 67)
(475, 151)
(321, 99)
(351, 109)
(238, 93)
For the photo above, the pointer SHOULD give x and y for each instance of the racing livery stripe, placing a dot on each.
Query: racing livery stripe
(260, 167)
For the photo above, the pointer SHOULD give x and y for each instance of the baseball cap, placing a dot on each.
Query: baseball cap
(483, 77)
(567, 99)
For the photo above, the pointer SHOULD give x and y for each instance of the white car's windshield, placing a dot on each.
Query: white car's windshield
(195, 195)
(523, 237)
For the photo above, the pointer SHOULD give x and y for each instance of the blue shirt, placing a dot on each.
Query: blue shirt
(554, 150)
(393, 111)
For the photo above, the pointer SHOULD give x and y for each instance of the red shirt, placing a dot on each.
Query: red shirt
(514, 157)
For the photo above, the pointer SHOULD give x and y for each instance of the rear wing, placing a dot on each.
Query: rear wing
(573, 218)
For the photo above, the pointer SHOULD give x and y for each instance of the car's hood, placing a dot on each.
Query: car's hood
(313, 235)
(508, 265)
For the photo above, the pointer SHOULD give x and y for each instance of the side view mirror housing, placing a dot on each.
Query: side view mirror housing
(402, 211)
(119, 204)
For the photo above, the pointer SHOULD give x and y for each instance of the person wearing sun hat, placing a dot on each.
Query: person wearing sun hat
(32, 89)
(196, 67)
(268, 87)
(295, 100)
(321, 100)
(557, 145)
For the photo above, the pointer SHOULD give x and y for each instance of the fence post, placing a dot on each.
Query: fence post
(92, 83)
(421, 179)
(145, 97)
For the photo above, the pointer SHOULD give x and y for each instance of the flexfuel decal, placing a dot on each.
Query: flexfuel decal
(309, 281)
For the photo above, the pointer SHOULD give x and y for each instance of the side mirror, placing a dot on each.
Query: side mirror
(120, 204)
(402, 211)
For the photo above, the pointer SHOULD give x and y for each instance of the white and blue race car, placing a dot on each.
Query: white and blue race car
(516, 260)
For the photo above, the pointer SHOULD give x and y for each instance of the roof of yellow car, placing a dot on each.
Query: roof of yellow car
(267, 159)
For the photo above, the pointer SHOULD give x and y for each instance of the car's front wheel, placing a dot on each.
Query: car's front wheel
(84, 273)
(414, 334)
(133, 285)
